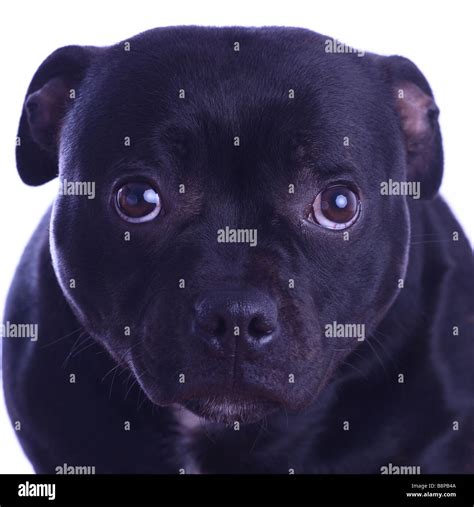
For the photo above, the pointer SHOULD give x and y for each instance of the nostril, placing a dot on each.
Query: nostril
(260, 327)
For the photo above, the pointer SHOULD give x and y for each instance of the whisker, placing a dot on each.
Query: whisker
(62, 338)
(75, 345)
(377, 356)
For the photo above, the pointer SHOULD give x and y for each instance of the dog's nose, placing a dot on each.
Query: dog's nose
(247, 318)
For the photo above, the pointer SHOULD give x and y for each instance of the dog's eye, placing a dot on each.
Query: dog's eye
(336, 207)
(138, 202)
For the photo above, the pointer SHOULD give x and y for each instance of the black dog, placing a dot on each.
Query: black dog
(247, 268)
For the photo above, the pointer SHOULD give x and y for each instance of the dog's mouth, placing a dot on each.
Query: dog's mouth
(232, 408)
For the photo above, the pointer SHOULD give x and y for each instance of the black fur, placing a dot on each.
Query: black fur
(283, 141)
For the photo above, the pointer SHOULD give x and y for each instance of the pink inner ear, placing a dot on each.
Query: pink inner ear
(414, 107)
(45, 109)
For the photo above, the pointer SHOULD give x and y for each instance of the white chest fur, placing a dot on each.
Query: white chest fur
(189, 427)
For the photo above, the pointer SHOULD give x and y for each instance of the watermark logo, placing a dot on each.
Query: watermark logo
(408, 188)
(66, 469)
(229, 235)
(81, 188)
(14, 330)
(35, 490)
(399, 470)
(337, 47)
(337, 330)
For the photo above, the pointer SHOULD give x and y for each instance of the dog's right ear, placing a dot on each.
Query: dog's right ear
(50, 94)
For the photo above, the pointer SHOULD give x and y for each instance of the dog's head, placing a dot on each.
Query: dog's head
(222, 211)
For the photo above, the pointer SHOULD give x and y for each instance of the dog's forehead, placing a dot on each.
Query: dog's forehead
(230, 73)
(227, 97)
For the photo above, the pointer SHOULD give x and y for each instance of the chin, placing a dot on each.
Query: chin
(229, 409)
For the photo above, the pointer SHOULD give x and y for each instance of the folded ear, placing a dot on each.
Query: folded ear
(418, 113)
(50, 94)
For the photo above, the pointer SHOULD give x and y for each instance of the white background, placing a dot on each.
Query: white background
(437, 36)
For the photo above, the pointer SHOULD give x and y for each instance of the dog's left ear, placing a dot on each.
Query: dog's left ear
(418, 113)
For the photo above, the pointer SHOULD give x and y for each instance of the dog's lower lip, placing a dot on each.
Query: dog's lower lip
(232, 407)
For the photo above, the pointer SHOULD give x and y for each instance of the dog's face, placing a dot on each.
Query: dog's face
(237, 209)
